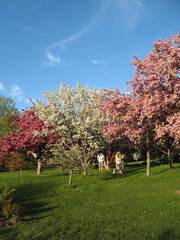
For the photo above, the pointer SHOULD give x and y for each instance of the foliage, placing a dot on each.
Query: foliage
(118, 106)
(72, 114)
(9, 210)
(8, 112)
(149, 114)
(18, 163)
(136, 156)
(31, 136)
(157, 85)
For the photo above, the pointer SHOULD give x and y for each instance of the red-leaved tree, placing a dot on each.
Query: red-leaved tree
(31, 138)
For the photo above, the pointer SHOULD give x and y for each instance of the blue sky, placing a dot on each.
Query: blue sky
(45, 42)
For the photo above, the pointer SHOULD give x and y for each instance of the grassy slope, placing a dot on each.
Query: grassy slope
(99, 206)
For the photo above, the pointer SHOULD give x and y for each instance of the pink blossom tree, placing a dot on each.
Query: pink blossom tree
(156, 85)
(152, 109)
(31, 137)
(116, 105)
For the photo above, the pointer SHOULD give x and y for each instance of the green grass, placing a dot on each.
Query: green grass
(99, 206)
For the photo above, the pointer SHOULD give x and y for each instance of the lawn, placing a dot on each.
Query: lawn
(99, 206)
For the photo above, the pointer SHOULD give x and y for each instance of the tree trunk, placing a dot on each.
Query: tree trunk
(148, 154)
(169, 158)
(106, 164)
(70, 177)
(85, 171)
(39, 167)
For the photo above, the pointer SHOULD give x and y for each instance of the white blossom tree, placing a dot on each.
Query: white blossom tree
(73, 114)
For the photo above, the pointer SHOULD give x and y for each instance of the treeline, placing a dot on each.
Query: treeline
(77, 123)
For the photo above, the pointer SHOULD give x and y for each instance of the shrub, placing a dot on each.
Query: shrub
(9, 210)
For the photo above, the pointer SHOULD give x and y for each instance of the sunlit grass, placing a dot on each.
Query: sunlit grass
(99, 206)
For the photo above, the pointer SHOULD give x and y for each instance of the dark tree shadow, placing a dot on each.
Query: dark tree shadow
(168, 234)
(161, 171)
(29, 198)
(129, 171)
(133, 169)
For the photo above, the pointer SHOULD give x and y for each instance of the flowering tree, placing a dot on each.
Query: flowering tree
(116, 106)
(126, 124)
(174, 127)
(156, 85)
(73, 115)
(30, 138)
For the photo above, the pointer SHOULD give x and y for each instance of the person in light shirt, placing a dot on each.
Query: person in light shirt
(100, 158)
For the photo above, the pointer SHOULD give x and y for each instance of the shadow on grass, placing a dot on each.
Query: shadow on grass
(168, 234)
(161, 171)
(133, 169)
(167, 169)
(177, 167)
(129, 171)
(34, 210)
(31, 201)
(62, 173)
(34, 205)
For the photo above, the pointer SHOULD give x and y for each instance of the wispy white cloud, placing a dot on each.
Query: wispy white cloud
(1, 86)
(36, 5)
(53, 60)
(16, 92)
(100, 62)
(128, 11)
(69, 40)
